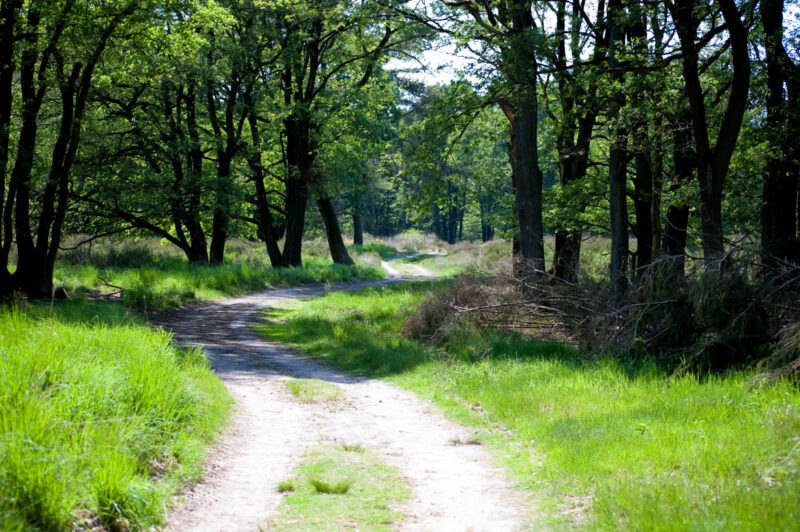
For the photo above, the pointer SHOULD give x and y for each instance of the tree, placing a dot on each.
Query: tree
(512, 39)
(579, 108)
(322, 43)
(713, 162)
(59, 45)
(779, 212)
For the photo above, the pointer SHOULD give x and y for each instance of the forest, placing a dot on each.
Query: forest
(571, 225)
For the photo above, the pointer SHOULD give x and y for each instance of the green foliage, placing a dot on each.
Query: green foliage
(606, 444)
(101, 418)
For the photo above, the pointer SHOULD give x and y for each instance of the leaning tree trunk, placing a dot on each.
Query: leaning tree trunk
(265, 219)
(333, 232)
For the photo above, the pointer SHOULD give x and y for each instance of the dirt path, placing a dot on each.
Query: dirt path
(453, 487)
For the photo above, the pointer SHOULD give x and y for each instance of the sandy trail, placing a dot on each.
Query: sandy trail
(454, 487)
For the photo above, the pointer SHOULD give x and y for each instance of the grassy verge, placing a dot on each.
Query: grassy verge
(606, 445)
(168, 282)
(340, 488)
(101, 418)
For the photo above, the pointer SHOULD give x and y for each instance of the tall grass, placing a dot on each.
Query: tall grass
(606, 445)
(101, 418)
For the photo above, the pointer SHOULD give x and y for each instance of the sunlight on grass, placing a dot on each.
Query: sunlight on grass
(313, 390)
(172, 282)
(336, 489)
(607, 445)
(101, 417)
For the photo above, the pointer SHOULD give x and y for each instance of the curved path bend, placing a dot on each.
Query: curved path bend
(454, 487)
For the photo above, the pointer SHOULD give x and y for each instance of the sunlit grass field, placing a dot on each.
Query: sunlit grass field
(152, 276)
(604, 445)
(102, 419)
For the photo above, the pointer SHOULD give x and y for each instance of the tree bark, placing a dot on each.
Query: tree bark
(617, 164)
(520, 66)
(198, 252)
(358, 230)
(673, 242)
(643, 198)
(779, 207)
(222, 209)
(8, 14)
(296, 201)
(333, 232)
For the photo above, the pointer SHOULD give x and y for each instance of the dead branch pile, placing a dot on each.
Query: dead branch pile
(707, 319)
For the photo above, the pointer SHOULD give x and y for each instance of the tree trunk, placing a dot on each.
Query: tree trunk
(779, 207)
(266, 222)
(712, 164)
(673, 243)
(199, 247)
(567, 256)
(8, 13)
(296, 200)
(300, 156)
(579, 112)
(528, 189)
(222, 210)
(358, 230)
(27, 276)
(643, 207)
(520, 64)
(617, 174)
(333, 232)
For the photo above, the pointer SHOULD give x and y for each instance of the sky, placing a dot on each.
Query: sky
(442, 65)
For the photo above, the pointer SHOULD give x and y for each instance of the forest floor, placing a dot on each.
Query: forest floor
(452, 486)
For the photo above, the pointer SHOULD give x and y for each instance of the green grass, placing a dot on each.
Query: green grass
(101, 418)
(334, 489)
(169, 282)
(604, 445)
(384, 251)
(285, 486)
(313, 390)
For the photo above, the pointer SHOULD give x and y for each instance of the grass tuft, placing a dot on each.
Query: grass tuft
(353, 448)
(313, 390)
(285, 486)
(366, 490)
(332, 488)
